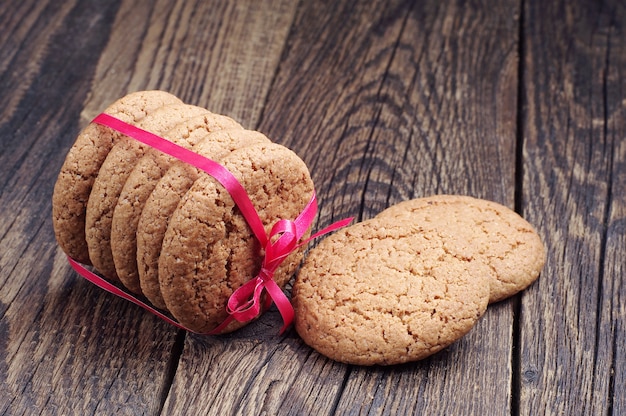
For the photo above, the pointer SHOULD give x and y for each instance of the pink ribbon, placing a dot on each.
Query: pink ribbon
(111, 288)
(245, 302)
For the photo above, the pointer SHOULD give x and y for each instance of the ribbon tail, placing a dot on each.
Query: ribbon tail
(218, 329)
(306, 217)
(332, 227)
(282, 303)
(109, 287)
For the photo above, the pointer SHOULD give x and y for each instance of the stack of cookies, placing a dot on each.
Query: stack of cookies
(412, 280)
(161, 227)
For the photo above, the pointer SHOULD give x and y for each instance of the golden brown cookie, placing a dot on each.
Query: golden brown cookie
(485, 230)
(209, 250)
(111, 178)
(165, 198)
(383, 292)
(81, 166)
(140, 183)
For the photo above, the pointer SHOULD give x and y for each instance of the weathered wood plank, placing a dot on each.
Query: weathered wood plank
(572, 321)
(613, 302)
(218, 55)
(447, 125)
(446, 100)
(610, 375)
(23, 42)
(244, 374)
(384, 102)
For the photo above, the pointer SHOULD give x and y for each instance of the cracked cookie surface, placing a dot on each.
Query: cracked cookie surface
(112, 176)
(82, 164)
(142, 180)
(485, 230)
(382, 292)
(166, 196)
(209, 250)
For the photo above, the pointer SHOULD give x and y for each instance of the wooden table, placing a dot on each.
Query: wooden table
(520, 102)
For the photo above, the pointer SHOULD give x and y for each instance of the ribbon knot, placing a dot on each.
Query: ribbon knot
(246, 302)
(265, 275)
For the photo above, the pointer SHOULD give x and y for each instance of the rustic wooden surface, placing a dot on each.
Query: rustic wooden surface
(521, 102)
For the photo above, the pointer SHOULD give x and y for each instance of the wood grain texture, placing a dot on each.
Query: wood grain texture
(573, 122)
(215, 54)
(385, 101)
(611, 374)
(25, 38)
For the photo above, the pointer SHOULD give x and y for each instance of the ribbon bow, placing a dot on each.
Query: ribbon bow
(245, 302)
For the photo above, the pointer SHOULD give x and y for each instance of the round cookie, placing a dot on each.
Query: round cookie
(485, 230)
(381, 292)
(209, 250)
(81, 166)
(165, 198)
(111, 178)
(140, 183)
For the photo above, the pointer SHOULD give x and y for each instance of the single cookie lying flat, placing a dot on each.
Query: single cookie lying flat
(481, 229)
(81, 166)
(383, 292)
